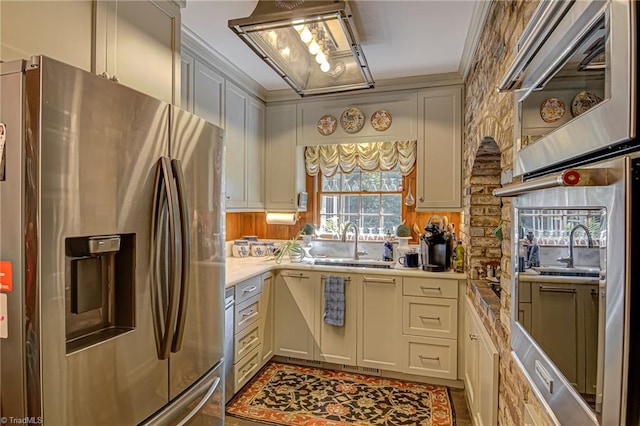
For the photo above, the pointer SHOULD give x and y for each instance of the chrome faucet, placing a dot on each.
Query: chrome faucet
(569, 260)
(356, 253)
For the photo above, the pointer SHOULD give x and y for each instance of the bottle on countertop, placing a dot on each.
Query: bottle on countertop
(459, 257)
(387, 248)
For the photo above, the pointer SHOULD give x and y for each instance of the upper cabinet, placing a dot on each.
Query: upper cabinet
(439, 159)
(285, 174)
(244, 134)
(136, 42)
(355, 119)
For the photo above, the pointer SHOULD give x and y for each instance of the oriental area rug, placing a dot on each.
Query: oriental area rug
(284, 394)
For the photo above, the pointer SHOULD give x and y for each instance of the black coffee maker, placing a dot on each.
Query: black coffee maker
(435, 245)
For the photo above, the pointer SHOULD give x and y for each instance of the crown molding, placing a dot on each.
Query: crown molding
(478, 19)
(382, 86)
(206, 53)
(180, 3)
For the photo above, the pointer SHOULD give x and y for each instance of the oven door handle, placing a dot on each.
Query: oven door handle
(568, 178)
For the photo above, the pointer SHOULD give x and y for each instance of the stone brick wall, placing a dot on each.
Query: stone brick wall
(489, 120)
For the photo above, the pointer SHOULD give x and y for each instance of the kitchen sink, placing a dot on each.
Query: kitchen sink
(352, 263)
(568, 272)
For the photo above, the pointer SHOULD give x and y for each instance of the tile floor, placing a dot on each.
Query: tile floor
(457, 397)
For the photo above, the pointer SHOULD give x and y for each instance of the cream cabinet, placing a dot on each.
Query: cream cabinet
(480, 370)
(208, 100)
(284, 161)
(295, 314)
(266, 321)
(244, 135)
(137, 42)
(337, 344)
(439, 152)
(430, 327)
(380, 322)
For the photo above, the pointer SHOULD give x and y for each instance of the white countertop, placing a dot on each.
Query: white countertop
(240, 269)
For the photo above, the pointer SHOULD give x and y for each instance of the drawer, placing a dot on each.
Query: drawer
(426, 316)
(247, 313)
(247, 368)
(245, 341)
(248, 288)
(428, 356)
(430, 287)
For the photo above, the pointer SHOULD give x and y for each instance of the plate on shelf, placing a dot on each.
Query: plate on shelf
(381, 120)
(352, 120)
(327, 124)
(583, 101)
(552, 110)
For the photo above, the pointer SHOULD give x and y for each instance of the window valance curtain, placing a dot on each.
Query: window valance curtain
(368, 156)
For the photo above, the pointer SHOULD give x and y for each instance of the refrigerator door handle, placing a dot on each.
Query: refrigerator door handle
(165, 314)
(202, 402)
(186, 254)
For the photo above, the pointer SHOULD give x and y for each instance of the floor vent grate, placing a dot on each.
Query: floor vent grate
(363, 370)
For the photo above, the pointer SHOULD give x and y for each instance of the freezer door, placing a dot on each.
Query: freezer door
(197, 150)
(95, 167)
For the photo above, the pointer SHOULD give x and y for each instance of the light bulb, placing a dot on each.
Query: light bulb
(305, 35)
(314, 48)
(320, 57)
(324, 67)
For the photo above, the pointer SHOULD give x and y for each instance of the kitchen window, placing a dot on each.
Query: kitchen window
(370, 199)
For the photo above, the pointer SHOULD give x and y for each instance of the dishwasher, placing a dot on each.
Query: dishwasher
(229, 302)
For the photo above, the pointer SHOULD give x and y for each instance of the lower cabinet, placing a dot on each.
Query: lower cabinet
(295, 314)
(480, 370)
(252, 325)
(379, 322)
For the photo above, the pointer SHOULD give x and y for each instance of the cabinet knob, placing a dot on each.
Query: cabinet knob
(421, 199)
(105, 75)
(115, 78)
(228, 197)
(473, 336)
(291, 201)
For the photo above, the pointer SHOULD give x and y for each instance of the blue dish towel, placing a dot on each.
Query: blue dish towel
(334, 300)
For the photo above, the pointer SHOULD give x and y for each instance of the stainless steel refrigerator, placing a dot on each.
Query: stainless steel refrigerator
(112, 236)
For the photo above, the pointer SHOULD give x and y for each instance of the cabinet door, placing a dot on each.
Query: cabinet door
(487, 383)
(267, 308)
(380, 322)
(295, 314)
(59, 29)
(338, 344)
(187, 85)
(256, 116)
(439, 156)
(281, 159)
(139, 42)
(554, 326)
(208, 94)
(470, 358)
(236, 160)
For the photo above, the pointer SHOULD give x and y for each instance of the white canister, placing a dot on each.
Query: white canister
(240, 248)
(258, 249)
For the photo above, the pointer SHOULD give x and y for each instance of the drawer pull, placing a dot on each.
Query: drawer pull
(422, 317)
(552, 289)
(250, 341)
(248, 313)
(473, 336)
(423, 288)
(249, 290)
(247, 371)
(431, 358)
(299, 276)
(380, 280)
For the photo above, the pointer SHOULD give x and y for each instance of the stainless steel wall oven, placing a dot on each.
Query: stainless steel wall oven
(574, 78)
(572, 330)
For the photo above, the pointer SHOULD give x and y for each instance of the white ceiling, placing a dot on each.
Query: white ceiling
(399, 38)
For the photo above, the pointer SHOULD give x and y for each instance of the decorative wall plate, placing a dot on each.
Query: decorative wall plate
(583, 101)
(352, 120)
(381, 120)
(327, 124)
(552, 110)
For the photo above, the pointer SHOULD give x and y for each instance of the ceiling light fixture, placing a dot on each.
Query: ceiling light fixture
(319, 34)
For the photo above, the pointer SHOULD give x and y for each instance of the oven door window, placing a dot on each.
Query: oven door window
(560, 274)
(570, 89)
